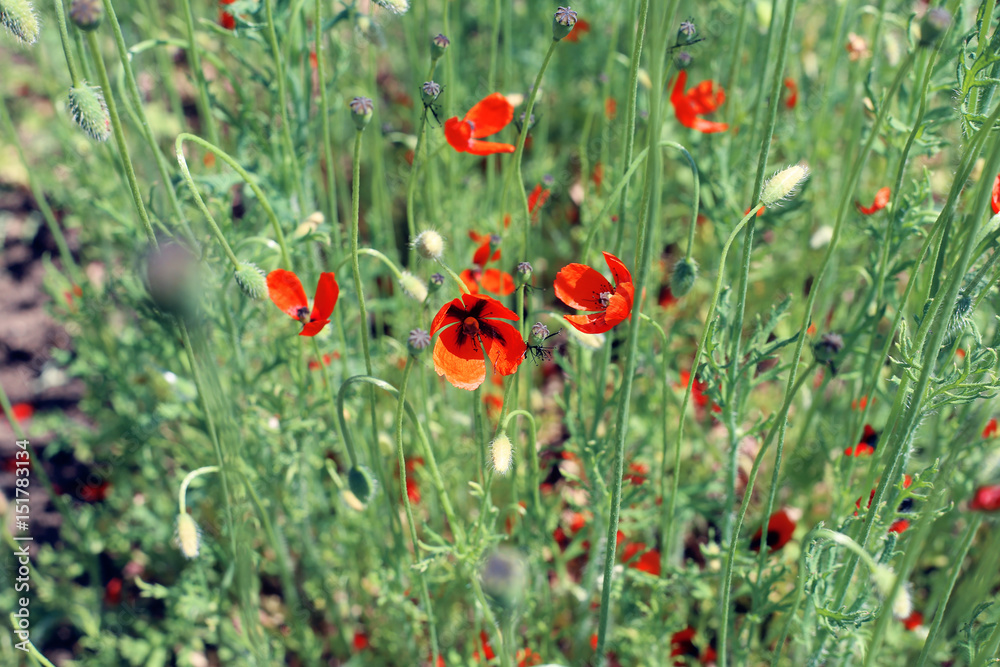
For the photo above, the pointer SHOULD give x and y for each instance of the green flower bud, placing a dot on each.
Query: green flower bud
(86, 14)
(361, 111)
(683, 277)
(361, 484)
(90, 111)
(251, 281)
(19, 17)
(439, 44)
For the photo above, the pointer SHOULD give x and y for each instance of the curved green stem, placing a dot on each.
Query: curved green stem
(188, 478)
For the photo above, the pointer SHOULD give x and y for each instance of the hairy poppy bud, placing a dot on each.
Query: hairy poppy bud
(934, 24)
(683, 277)
(19, 17)
(502, 451)
(562, 22)
(524, 273)
(361, 111)
(413, 286)
(429, 244)
(361, 483)
(418, 341)
(429, 91)
(439, 44)
(783, 184)
(251, 281)
(504, 577)
(90, 111)
(188, 537)
(86, 14)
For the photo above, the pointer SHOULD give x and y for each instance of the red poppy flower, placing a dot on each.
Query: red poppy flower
(493, 281)
(682, 645)
(113, 592)
(94, 493)
(986, 499)
(779, 532)
(991, 429)
(704, 98)
(468, 326)
(488, 116)
(486, 242)
(360, 640)
(867, 444)
(861, 403)
(526, 657)
(536, 200)
(995, 202)
(287, 294)
(881, 199)
(581, 28)
(899, 525)
(226, 20)
(697, 389)
(22, 411)
(793, 93)
(913, 621)
(637, 473)
(583, 288)
(648, 559)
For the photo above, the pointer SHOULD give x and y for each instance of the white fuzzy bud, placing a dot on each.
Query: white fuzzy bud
(783, 184)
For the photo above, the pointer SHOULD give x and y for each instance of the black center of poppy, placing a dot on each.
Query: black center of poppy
(470, 326)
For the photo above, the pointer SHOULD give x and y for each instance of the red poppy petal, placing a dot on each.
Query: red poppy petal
(286, 292)
(620, 304)
(498, 282)
(490, 115)
(482, 254)
(506, 351)
(461, 365)
(706, 126)
(677, 94)
(591, 324)
(458, 133)
(327, 292)
(705, 97)
(579, 286)
(618, 269)
(313, 327)
(469, 278)
(995, 203)
(489, 148)
(491, 309)
(443, 319)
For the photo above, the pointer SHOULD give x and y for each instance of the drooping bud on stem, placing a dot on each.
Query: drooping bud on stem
(90, 111)
(251, 281)
(683, 277)
(413, 286)
(429, 244)
(188, 537)
(19, 17)
(783, 184)
(502, 451)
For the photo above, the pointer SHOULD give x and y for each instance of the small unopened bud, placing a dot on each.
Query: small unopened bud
(828, 347)
(90, 111)
(439, 44)
(436, 282)
(539, 331)
(413, 286)
(683, 277)
(417, 341)
(361, 483)
(502, 451)
(524, 273)
(429, 244)
(562, 22)
(361, 111)
(394, 6)
(429, 91)
(683, 60)
(783, 184)
(188, 537)
(19, 17)
(86, 14)
(251, 281)
(934, 24)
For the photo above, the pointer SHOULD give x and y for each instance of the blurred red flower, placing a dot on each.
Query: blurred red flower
(780, 528)
(881, 200)
(986, 499)
(490, 115)
(704, 98)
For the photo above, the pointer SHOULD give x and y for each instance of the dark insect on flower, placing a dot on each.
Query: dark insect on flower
(540, 351)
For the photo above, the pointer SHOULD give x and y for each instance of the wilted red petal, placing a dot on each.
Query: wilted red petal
(582, 27)
(490, 115)
(327, 292)
(286, 292)
(880, 202)
(579, 286)
(793, 93)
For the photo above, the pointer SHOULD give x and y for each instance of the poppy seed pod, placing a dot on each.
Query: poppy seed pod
(19, 17)
(539, 331)
(439, 44)
(418, 341)
(86, 14)
(251, 281)
(429, 244)
(562, 22)
(361, 483)
(502, 451)
(361, 111)
(436, 282)
(783, 184)
(524, 271)
(687, 32)
(90, 111)
(188, 537)
(413, 287)
(429, 91)
(683, 277)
